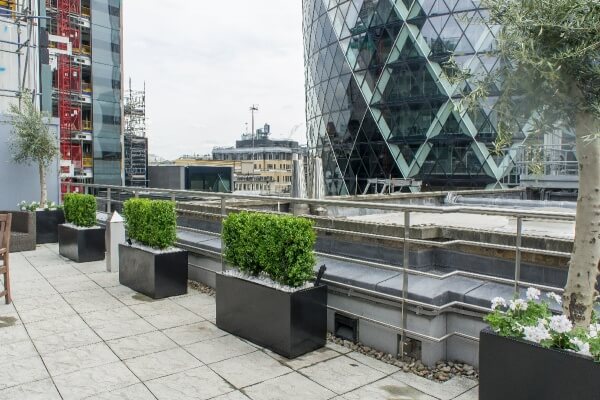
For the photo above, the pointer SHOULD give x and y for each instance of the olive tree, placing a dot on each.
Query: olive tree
(31, 141)
(549, 74)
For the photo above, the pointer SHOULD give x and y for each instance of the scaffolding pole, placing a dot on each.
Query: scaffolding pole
(136, 142)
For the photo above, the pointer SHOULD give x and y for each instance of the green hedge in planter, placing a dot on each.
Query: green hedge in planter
(280, 246)
(151, 222)
(80, 209)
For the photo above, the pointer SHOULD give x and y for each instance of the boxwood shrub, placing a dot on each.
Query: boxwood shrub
(151, 222)
(280, 246)
(80, 209)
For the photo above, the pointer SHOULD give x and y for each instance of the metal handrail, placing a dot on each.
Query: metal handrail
(551, 215)
(519, 214)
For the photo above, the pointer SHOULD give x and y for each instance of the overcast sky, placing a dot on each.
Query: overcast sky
(206, 62)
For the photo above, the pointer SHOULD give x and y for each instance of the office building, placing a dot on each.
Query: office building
(261, 164)
(81, 84)
(380, 105)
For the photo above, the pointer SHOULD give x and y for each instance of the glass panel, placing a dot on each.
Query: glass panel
(106, 45)
(106, 13)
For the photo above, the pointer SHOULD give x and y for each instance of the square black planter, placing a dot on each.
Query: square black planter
(156, 275)
(81, 245)
(46, 225)
(518, 370)
(290, 324)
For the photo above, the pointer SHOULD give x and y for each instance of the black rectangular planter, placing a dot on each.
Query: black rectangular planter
(154, 275)
(519, 370)
(290, 324)
(81, 245)
(46, 225)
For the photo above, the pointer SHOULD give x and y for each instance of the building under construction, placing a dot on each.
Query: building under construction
(81, 85)
(136, 142)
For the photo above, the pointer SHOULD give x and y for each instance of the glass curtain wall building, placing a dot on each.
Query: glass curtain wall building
(379, 104)
(84, 88)
(107, 89)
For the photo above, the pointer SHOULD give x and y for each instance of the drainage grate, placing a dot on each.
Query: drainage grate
(412, 347)
(346, 328)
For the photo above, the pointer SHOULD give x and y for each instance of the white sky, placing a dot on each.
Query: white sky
(206, 62)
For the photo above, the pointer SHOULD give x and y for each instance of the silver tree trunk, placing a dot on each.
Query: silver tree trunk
(43, 187)
(584, 267)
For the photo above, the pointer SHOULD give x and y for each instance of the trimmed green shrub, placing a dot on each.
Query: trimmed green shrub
(80, 209)
(151, 222)
(280, 246)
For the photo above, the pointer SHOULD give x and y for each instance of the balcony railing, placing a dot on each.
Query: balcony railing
(109, 196)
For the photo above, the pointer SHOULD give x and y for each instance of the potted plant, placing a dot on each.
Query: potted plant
(150, 264)
(270, 298)
(31, 141)
(47, 219)
(81, 239)
(529, 353)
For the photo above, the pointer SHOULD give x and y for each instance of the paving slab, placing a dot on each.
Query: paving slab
(219, 349)
(249, 369)
(196, 384)
(163, 363)
(39, 390)
(290, 387)
(387, 389)
(342, 374)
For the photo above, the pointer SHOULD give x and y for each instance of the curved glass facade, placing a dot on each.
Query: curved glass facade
(379, 104)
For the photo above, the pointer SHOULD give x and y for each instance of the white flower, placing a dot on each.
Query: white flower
(594, 330)
(536, 333)
(498, 302)
(555, 297)
(560, 324)
(518, 305)
(533, 294)
(582, 347)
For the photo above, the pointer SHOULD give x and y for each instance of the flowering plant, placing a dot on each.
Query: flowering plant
(34, 206)
(532, 320)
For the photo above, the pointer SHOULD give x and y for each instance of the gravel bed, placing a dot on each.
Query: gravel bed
(202, 288)
(442, 372)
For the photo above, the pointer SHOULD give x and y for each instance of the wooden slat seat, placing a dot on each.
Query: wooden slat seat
(5, 223)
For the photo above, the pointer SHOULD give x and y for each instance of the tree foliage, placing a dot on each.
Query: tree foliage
(31, 140)
(548, 69)
(549, 79)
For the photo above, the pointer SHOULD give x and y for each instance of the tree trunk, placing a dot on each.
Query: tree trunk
(584, 267)
(43, 187)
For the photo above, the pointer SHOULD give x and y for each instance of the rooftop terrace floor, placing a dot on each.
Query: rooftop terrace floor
(74, 332)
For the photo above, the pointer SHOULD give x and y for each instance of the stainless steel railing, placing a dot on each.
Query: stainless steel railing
(219, 201)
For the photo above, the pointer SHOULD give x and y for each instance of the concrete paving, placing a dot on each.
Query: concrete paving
(74, 333)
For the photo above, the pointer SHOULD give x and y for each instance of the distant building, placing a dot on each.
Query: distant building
(154, 159)
(261, 164)
(201, 178)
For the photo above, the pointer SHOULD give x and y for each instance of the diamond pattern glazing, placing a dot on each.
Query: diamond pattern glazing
(379, 104)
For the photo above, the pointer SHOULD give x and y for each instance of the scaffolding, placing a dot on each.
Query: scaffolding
(19, 55)
(135, 140)
(70, 91)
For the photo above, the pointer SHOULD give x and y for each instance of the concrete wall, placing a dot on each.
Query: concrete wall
(166, 177)
(21, 182)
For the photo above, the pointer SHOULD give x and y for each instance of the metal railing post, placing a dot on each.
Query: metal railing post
(518, 245)
(405, 261)
(136, 194)
(223, 215)
(108, 197)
